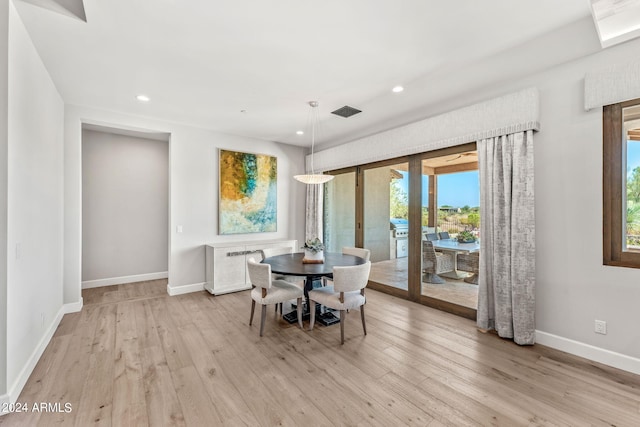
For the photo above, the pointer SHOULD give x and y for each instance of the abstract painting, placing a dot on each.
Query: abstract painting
(248, 193)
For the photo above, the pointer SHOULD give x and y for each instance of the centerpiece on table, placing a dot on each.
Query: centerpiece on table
(466, 237)
(313, 251)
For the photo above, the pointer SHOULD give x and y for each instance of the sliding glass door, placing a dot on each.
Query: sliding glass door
(386, 223)
(391, 207)
(340, 211)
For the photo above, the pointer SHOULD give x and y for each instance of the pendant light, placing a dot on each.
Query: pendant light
(313, 178)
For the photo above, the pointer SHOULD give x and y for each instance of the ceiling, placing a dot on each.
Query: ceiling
(249, 67)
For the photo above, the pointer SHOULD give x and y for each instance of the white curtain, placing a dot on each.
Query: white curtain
(506, 294)
(313, 217)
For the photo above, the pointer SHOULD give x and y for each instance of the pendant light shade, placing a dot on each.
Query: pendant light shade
(313, 178)
(317, 178)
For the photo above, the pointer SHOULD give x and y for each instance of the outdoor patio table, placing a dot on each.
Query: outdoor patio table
(452, 245)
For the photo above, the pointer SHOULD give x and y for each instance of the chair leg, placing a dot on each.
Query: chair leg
(253, 308)
(312, 312)
(262, 317)
(364, 325)
(343, 315)
(299, 310)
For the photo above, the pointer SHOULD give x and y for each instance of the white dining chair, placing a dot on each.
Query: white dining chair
(268, 291)
(282, 250)
(348, 250)
(346, 293)
(359, 252)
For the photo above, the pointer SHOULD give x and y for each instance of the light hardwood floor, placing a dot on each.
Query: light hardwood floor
(134, 356)
(394, 273)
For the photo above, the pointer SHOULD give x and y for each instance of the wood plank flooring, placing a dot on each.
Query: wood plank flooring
(135, 356)
(395, 273)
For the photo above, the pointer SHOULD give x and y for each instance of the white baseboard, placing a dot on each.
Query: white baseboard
(185, 289)
(4, 401)
(124, 279)
(16, 388)
(73, 307)
(606, 357)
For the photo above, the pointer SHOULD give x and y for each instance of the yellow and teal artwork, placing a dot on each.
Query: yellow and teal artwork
(248, 193)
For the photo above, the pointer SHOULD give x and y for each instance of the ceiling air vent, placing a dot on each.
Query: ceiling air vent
(346, 111)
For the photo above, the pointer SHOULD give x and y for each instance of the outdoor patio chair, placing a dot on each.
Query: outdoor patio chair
(444, 235)
(431, 236)
(471, 264)
(434, 263)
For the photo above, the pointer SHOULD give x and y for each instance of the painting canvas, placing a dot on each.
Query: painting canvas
(248, 193)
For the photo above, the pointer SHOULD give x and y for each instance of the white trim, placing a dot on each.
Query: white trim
(124, 279)
(607, 357)
(185, 289)
(73, 307)
(617, 83)
(516, 112)
(4, 400)
(16, 388)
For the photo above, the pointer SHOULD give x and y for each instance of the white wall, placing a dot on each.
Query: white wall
(4, 108)
(125, 208)
(35, 208)
(573, 288)
(193, 193)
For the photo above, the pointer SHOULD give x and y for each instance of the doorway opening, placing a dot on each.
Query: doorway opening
(125, 206)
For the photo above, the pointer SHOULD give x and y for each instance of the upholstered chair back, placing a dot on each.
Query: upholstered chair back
(269, 252)
(359, 252)
(351, 278)
(259, 274)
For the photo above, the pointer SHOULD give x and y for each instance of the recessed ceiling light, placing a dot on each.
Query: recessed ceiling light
(299, 132)
(616, 21)
(143, 98)
(397, 89)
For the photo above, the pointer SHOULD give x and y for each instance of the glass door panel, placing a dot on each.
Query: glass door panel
(340, 212)
(450, 205)
(386, 225)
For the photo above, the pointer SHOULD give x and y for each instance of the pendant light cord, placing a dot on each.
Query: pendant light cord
(314, 118)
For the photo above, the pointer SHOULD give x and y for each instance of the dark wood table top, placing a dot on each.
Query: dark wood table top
(292, 265)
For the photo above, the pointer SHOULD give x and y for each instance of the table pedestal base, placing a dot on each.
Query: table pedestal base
(327, 318)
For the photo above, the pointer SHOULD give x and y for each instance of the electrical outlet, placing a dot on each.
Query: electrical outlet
(601, 327)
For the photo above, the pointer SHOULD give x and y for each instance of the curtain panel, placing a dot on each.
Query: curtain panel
(314, 212)
(506, 285)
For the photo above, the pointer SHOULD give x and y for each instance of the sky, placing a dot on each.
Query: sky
(455, 189)
(463, 189)
(633, 156)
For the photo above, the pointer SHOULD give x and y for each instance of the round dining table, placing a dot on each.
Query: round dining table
(292, 265)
